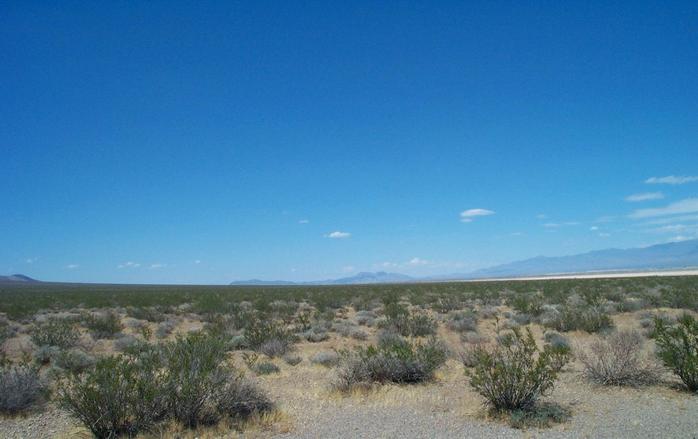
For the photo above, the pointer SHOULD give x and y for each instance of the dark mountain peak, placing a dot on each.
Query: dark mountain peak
(17, 278)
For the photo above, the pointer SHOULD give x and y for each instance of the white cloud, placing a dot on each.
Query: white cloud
(338, 235)
(156, 266)
(673, 219)
(72, 266)
(556, 225)
(129, 264)
(672, 179)
(680, 238)
(604, 235)
(31, 260)
(689, 205)
(414, 262)
(303, 221)
(593, 228)
(197, 262)
(467, 215)
(646, 196)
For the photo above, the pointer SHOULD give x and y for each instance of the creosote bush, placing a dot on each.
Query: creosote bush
(677, 347)
(55, 332)
(106, 325)
(186, 380)
(401, 362)
(580, 317)
(120, 396)
(268, 336)
(514, 373)
(619, 360)
(20, 388)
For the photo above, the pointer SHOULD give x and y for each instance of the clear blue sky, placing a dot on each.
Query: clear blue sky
(203, 142)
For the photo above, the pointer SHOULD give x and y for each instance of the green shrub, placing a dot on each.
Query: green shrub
(269, 335)
(106, 325)
(185, 380)
(55, 332)
(193, 376)
(677, 347)
(399, 319)
(118, 397)
(397, 363)
(585, 318)
(73, 360)
(513, 374)
(20, 388)
(266, 368)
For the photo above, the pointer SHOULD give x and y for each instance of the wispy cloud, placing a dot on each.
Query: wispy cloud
(672, 179)
(689, 205)
(348, 269)
(646, 196)
(72, 266)
(31, 260)
(541, 216)
(593, 228)
(468, 215)
(156, 266)
(338, 235)
(303, 221)
(556, 225)
(129, 264)
(412, 263)
(681, 238)
(415, 262)
(197, 262)
(673, 219)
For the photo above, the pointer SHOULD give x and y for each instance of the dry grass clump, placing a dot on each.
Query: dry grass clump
(619, 359)
(325, 358)
(462, 321)
(292, 359)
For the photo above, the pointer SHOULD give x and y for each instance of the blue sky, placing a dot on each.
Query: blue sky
(205, 142)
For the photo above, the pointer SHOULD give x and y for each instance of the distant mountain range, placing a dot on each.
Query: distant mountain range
(380, 277)
(675, 255)
(17, 279)
(657, 257)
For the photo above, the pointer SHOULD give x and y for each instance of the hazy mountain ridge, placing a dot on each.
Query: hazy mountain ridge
(17, 279)
(363, 277)
(661, 256)
(656, 257)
